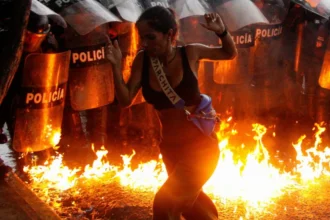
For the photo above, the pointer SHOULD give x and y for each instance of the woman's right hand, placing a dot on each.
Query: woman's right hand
(113, 53)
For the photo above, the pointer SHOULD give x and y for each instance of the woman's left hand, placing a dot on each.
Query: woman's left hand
(214, 23)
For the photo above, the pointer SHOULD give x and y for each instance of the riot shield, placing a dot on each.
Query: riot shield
(130, 10)
(192, 32)
(236, 71)
(82, 15)
(274, 10)
(269, 65)
(41, 9)
(186, 8)
(237, 14)
(41, 102)
(90, 82)
(320, 7)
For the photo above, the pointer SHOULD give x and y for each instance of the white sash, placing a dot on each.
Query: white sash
(165, 85)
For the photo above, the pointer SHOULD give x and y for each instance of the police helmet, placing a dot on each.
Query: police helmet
(36, 31)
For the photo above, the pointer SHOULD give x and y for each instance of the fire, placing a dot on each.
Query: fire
(314, 163)
(55, 174)
(149, 175)
(99, 167)
(249, 177)
(252, 179)
(54, 135)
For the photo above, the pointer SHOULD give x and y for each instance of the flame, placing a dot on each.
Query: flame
(150, 175)
(99, 167)
(55, 174)
(312, 164)
(249, 177)
(53, 135)
(253, 179)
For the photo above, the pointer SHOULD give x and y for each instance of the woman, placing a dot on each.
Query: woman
(190, 156)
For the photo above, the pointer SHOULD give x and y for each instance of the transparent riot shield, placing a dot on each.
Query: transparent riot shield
(237, 14)
(236, 71)
(320, 7)
(85, 15)
(274, 10)
(192, 32)
(130, 10)
(186, 8)
(42, 9)
(41, 102)
(271, 70)
(91, 82)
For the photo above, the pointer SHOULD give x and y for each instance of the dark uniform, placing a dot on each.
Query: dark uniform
(85, 78)
(315, 35)
(38, 25)
(37, 39)
(269, 68)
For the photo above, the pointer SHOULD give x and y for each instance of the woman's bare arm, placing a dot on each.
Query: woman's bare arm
(125, 93)
(228, 49)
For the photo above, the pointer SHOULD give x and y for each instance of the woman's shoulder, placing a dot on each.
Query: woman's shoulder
(191, 50)
(138, 59)
(193, 46)
(140, 55)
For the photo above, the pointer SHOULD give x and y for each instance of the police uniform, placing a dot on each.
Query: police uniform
(268, 68)
(314, 43)
(37, 25)
(36, 33)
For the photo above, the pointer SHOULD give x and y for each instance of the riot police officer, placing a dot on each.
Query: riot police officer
(33, 119)
(37, 30)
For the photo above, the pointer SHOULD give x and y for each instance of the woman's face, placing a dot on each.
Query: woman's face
(154, 42)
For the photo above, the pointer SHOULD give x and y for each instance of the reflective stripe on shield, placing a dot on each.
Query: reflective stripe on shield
(324, 80)
(41, 102)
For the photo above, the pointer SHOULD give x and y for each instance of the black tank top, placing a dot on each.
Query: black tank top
(187, 89)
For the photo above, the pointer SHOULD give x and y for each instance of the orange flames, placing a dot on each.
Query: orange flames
(251, 178)
(248, 177)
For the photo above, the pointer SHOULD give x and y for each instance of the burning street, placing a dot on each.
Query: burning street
(245, 184)
(111, 109)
